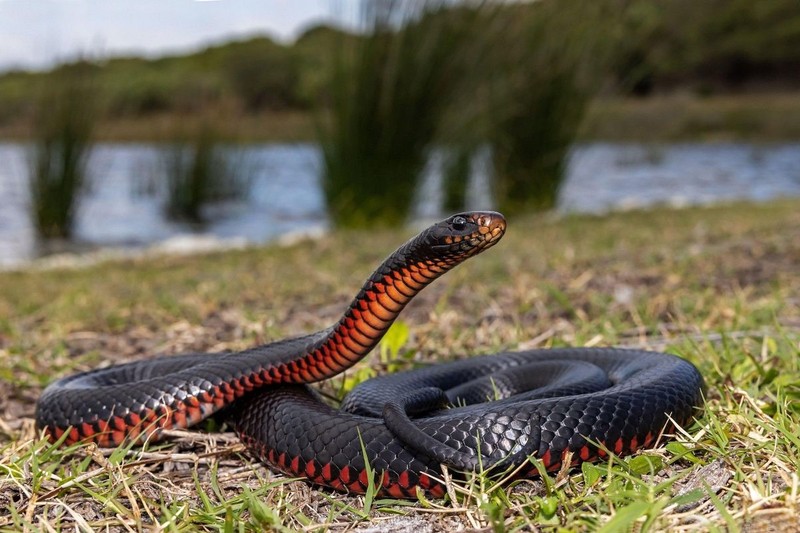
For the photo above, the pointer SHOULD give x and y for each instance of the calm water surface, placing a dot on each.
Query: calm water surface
(286, 196)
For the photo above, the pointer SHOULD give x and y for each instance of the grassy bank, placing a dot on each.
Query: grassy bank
(762, 117)
(717, 286)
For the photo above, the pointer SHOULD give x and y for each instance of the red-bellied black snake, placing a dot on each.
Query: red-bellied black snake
(581, 403)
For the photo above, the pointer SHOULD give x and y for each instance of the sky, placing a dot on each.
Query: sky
(37, 33)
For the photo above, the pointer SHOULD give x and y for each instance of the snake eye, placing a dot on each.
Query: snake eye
(459, 223)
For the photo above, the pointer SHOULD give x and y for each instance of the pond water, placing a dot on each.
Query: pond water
(286, 197)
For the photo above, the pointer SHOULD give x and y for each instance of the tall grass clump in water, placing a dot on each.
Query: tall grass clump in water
(389, 91)
(62, 141)
(546, 57)
(196, 171)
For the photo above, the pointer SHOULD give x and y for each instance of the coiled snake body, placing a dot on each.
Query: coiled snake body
(581, 403)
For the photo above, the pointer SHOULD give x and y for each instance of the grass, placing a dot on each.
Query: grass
(715, 285)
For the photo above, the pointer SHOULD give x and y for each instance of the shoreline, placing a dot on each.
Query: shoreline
(192, 245)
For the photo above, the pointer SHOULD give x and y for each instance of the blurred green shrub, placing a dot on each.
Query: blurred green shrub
(262, 75)
(316, 64)
(140, 92)
(709, 46)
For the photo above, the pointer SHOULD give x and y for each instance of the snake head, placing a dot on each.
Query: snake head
(466, 234)
(444, 245)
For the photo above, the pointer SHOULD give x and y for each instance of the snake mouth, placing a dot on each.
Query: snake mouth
(492, 227)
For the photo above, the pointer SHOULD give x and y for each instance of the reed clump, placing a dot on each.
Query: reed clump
(62, 143)
(547, 61)
(198, 170)
(389, 91)
(433, 76)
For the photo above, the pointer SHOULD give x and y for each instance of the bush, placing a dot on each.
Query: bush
(262, 74)
(141, 94)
